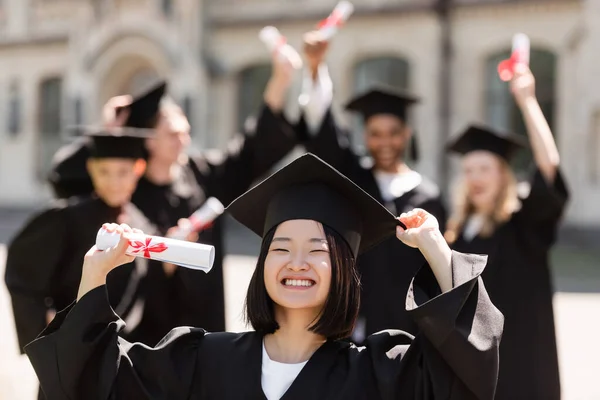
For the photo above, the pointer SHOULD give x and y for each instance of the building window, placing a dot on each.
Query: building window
(167, 7)
(392, 72)
(14, 109)
(252, 83)
(501, 110)
(50, 121)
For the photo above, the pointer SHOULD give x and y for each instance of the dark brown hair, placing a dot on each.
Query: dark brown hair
(338, 316)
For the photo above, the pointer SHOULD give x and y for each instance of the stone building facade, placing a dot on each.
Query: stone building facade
(60, 60)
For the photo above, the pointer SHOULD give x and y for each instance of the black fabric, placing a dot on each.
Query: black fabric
(485, 138)
(79, 356)
(107, 146)
(382, 100)
(519, 282)
(191, 297)
(143, 110)
(309, 188)
(68, 174)
(386, 269)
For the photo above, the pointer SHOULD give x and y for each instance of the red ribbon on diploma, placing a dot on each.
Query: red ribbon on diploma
(335, 19)
(506, 68)
(147, 247)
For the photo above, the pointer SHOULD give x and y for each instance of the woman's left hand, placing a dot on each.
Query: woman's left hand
(419, 223)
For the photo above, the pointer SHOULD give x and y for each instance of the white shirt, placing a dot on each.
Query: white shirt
(316, 98)
(394, 184)
(276, 378)
(473, 226)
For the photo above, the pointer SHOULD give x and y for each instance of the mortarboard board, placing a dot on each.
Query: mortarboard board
(309, 188)
(477, 137)
(383, 100)
(143, 110)
(117, 143)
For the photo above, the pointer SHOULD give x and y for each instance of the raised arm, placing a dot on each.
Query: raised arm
(542, 141)
(226, 175)
(317, 128)
(455, 357)
(80, 354)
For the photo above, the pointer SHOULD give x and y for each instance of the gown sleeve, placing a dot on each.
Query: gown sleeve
(456, 354)
(80, 356)
(330, 143)
(32, 263)
(226, 175)
(542, 209)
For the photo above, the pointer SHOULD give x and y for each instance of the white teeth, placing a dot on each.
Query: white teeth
(298, 282)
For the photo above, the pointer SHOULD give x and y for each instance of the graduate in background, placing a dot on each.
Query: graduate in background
(389, 180)
(303, 297)
(43, 265)
(176, 184)
(517, 231)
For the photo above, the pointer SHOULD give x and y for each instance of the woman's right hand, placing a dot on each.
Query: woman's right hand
(97, 263)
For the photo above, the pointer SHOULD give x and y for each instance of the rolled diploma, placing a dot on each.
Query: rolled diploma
(340, 14)
(520, 48)
(201, 218)
(186, 254)
(276, 42)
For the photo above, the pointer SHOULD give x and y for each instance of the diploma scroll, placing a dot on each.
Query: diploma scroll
(340, 14)
(200, 219)
(185, 254)
(519, 55)
(277, 43)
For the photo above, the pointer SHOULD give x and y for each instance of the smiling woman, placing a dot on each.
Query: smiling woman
(296, 266)
(302, 299)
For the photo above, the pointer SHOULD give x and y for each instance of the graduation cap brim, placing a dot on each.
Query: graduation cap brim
(382, 100)
(309, 188)
(479, 137)
(144, 109)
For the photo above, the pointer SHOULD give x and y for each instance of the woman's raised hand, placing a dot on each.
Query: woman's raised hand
(97, 263)
(419, 223)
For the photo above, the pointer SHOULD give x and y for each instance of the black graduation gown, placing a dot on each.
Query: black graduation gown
(519, 283)
(192, 297)
(80, 356)
(381, 277)
(44, 260)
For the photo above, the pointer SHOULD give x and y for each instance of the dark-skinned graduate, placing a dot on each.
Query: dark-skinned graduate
(386, 177)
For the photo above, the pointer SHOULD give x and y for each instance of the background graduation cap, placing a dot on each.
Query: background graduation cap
(385, 100)
(68, 174)
(478, 137)
(309, 188)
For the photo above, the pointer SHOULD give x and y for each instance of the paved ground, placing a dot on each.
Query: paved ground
(577, 310)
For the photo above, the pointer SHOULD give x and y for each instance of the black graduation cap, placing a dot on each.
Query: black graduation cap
(144, 109)
(309, 188)
(68, 175)
(384, 100)
(477, 137)
(117, 143)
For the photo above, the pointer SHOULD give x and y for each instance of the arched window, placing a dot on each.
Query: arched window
(252, 83)
(49, 121)
(389, 71)
(501, 109)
